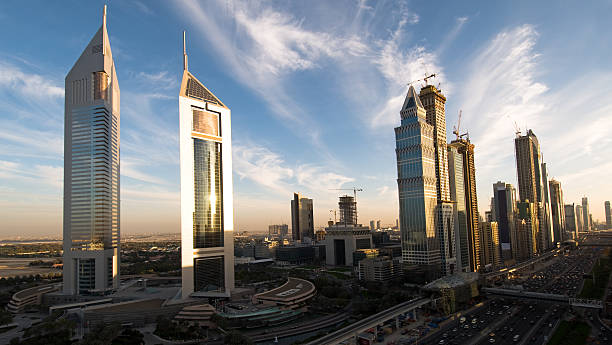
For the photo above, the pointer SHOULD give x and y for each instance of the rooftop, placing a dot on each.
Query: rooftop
(452, 281)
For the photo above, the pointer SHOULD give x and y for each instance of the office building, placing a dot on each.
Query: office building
(457, 193)
(91, 234)
(416, 182)
(531, 190)
(372, 226)
(345, 237)
(276, 230)
(504, 206)
(579, 218)
(378, 227)
(608, 215)
(465, 150)
(571, 225)
(207, 214)
(527, 228)
(490, 244)
(379, 269)
(302, 221)
(586, 219)
(557, 210)
(547, 215)
(433, 102)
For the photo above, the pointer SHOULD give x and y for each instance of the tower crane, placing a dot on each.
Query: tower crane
(423, 79)
(354, 189)
(456, 128)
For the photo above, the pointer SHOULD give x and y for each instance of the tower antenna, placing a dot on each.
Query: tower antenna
(185, 66)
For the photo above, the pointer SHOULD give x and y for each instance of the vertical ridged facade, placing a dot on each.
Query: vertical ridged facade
(416, 181)
(472, 224)
(91, 232)
(434, 104)
(557, 210)
(207, 224)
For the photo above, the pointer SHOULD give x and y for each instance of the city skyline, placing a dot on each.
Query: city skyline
(267, 172)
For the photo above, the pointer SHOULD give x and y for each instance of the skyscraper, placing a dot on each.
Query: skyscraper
(462, 182)
(529, 171)
(302, 222)
(491, 245)
(416, 181)
(586, 220)
(504, 206)
(546, 224)
(91, 231)
(579, 218)
(558, 210)
(205, 138)
(571, 225)
(608, 215)
(457, 194)
(433, 102)
(527, 228)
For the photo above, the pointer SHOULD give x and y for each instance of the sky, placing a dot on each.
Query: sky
(315, 89)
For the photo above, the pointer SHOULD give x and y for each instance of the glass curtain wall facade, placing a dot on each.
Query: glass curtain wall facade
(91, 171)
(457, 193)
(207, 242)
(416, 170)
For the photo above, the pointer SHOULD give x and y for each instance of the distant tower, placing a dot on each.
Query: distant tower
(504, 205)
(207, 213)
(586, 221)
(416, 181)
(579, 218)
(608, 215)
(558, 210)
(531, 189)
(302, 223)
(571, 226)
(91, 171)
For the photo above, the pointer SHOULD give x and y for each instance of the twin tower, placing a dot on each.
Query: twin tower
(91, 234)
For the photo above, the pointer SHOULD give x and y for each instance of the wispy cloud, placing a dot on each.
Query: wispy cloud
(32, 85)
(268, 169)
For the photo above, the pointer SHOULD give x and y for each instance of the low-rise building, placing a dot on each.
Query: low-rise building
(379, 269)
(342, 240)
(31, 296)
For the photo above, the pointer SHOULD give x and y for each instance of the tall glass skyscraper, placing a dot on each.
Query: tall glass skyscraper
(416, 180)
(207, 224)
(91, 171)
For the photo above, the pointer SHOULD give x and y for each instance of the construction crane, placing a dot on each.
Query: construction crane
(517, 129)
(354, 189)
(423, 79)
(456, 128)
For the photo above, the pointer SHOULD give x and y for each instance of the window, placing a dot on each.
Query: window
(205, 122)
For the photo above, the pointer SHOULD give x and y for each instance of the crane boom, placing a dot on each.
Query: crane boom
(354, 189)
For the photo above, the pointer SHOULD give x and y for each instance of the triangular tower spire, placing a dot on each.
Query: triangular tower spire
(185, 66)
(412, 99)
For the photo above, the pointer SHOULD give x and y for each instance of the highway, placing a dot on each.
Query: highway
(360, 326)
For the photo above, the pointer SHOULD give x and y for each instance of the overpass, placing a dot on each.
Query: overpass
(522, 265)
(574, 302)
(353, 330)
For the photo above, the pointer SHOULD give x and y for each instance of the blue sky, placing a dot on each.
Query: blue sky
(315, 89)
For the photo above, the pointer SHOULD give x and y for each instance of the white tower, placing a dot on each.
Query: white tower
(91, 171)
(207, 214)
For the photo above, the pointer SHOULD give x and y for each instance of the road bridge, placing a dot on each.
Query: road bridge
(574, 302)
(353, 330)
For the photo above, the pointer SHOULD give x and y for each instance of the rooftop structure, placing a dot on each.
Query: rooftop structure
(294, 293)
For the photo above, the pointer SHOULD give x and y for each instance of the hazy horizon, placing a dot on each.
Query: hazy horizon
(315, 90)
